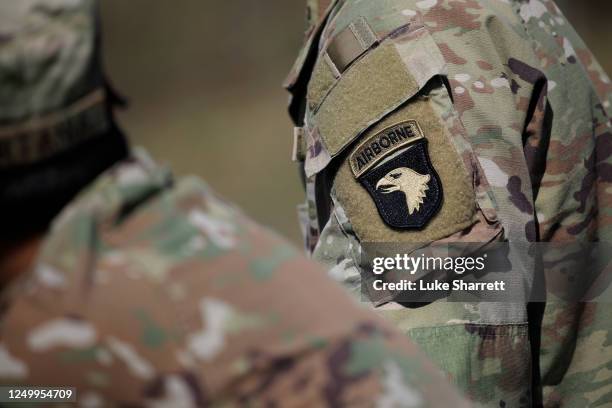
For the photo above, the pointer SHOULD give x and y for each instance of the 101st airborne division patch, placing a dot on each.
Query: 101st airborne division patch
(394, 167)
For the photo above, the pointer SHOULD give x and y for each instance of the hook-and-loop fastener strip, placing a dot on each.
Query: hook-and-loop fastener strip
(352, 42)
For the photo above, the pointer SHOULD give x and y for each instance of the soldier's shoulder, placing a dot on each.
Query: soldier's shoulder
(137, 223)
(148, 290)
(137, 244)
(143, 276)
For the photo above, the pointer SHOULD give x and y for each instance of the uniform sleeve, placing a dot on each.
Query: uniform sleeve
(414, 135)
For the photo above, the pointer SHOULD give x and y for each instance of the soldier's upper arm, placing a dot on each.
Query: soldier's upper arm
(379, 108)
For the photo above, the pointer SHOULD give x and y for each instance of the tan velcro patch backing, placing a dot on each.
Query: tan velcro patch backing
(322, 80)
(458, 210)
(378, 84)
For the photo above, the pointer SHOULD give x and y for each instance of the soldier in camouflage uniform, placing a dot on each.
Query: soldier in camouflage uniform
(146, 291)
(509, 114)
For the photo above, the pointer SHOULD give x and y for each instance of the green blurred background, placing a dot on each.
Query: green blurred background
(204, 83)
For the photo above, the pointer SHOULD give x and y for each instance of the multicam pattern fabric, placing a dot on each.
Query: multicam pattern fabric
(154, 293)
(527, 108)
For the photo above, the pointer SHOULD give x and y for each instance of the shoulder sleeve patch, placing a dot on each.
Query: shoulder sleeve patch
(418, 195)
(406, 189)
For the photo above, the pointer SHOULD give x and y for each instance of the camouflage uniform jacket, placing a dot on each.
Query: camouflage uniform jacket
(515, 111)
(154, 293)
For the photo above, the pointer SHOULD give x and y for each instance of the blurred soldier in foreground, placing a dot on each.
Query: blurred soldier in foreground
(146, 291)
(422, 122)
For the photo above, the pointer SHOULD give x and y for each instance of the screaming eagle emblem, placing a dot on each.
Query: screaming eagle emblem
(395, 168)
(409, 182)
